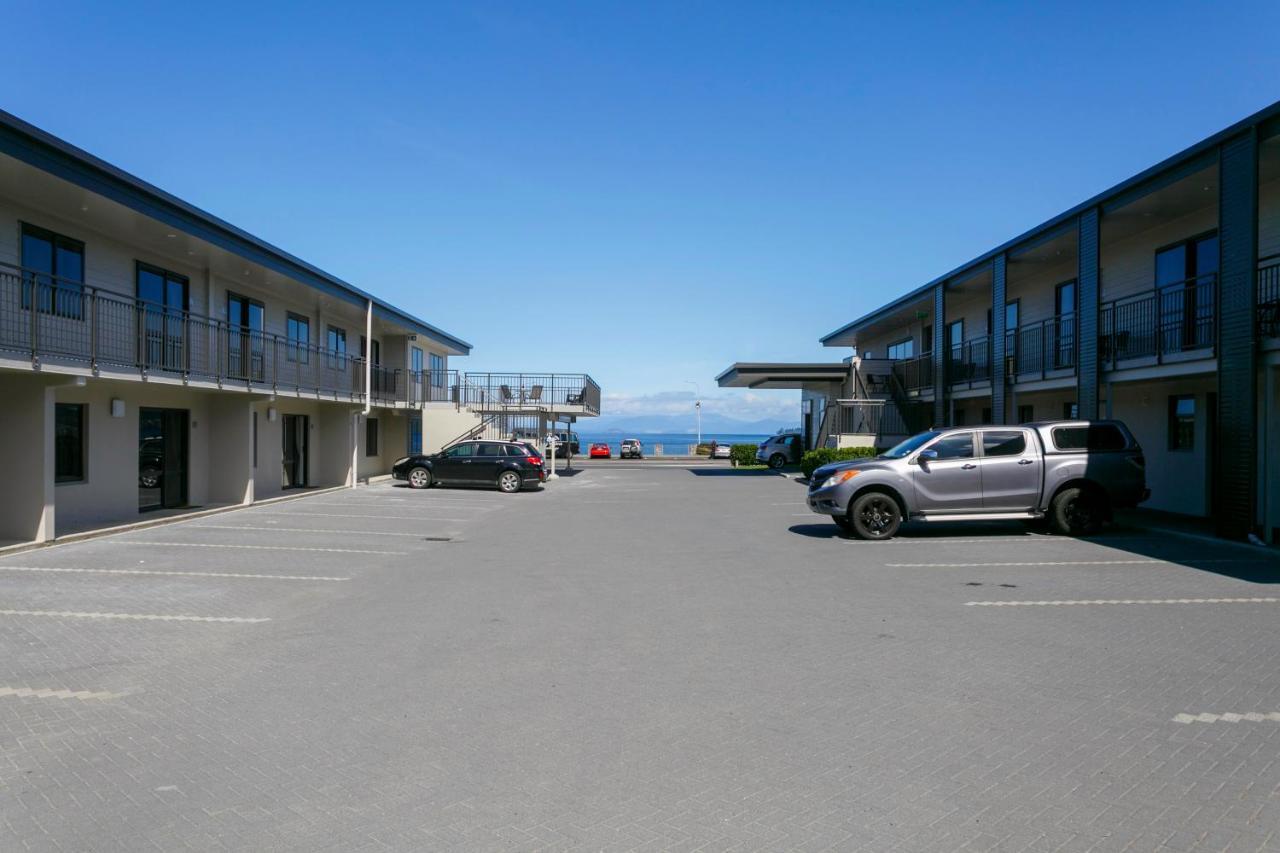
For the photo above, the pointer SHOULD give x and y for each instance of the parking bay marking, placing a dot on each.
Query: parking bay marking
(1058, 563)
(237, 575)
(147, 617)
(1229, 717)
(1069, 602)
(249, 547)
(357, 515)
(305, 530)
(50, 693)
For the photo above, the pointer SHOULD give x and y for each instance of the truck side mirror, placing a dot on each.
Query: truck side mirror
(924, 457)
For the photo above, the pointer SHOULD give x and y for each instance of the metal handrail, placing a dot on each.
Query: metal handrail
(1041, 348)
(1268, 296)
(1173, 318)
(523, 390)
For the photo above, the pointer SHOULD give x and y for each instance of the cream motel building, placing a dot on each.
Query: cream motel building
(1156, 302)
(156, 358)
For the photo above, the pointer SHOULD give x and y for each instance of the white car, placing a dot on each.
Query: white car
(631, 449)
(720, 451)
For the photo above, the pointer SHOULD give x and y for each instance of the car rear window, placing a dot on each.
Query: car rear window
(1003, 442)
(516, 450)
(1093, 437)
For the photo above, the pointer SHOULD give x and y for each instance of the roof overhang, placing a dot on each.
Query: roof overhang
(744, 374)
(46, 152)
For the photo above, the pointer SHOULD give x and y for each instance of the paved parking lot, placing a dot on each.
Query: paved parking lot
(639, 657)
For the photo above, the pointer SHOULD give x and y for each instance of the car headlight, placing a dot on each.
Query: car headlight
(838, 478)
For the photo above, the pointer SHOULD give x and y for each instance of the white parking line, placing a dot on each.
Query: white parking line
(250, 547)
(236, 575)
(305, 530)
(387, 517)
(1059, 563)
(1229, 717)
(150, 617)
(49, 693)
(1063, 603)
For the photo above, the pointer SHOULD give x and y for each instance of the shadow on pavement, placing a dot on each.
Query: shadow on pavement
(735, 472)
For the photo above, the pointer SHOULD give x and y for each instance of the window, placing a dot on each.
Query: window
(1004, 442)
(958, 446)
(1182, 422)
(1070, 411)
(1093, 438)
(901, 349)
(926, 339)
(371, 437)
(336, 343)
(415, 435)
(488, 449)
(1185, 293)
(461, 451)
(53, 266)
(415, 359)
(1064, 343)
(437, 371)
(246, 350)
(955, 333)
(1011, 315)
(513, 450)
(69, 436)
(298, 331)
(1026, 414)
(866, 353)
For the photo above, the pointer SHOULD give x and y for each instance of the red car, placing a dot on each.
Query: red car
(600, 451)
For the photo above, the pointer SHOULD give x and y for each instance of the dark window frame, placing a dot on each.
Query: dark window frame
(298, 350)
(1021, 435)
(1185, 320)
(908, 341)
(371, 437)
(81, 475)
(333, 334)
(66, 294)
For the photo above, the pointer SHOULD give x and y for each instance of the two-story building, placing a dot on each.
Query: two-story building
(155, 357)
(1156, 302)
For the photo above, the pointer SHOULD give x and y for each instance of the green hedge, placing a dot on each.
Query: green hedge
(815, 459)
(742, 454)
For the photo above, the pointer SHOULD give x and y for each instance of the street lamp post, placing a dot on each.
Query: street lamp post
(697, 406)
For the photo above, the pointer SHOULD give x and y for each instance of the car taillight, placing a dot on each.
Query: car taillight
(1137, 460)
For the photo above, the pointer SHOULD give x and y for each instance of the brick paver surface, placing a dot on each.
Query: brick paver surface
(640, 657)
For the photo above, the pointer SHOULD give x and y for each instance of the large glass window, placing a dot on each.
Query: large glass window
(1185, 293)
(246, 348)
(69, 447)
(1064, 338)
(902, 349)
(53, 266)
(1182, 422)
(438, 380)
(162, 301)
(336, 343)
(298, 331)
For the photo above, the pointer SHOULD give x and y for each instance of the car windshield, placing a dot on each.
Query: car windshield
(909, 446)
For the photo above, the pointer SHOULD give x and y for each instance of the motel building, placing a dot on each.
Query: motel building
(1156, 302)
(156, 360)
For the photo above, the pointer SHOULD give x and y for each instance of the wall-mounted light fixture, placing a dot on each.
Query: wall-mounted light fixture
(117, 407)
(271, 414)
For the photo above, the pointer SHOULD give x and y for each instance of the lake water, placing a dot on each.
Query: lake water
(673, 443)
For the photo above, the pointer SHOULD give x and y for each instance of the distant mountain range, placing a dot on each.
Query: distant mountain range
(711, 423)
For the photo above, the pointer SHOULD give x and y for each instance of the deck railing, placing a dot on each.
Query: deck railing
(1268, 296)
(46, 318)
(547, 391)
(1170, 319)
(915, 374)
(1041, 348)
(969, 363)
(864, 417)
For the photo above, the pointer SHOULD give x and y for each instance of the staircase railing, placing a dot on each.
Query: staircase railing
(473, 432)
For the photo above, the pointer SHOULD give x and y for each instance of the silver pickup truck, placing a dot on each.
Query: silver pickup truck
(1074, 473)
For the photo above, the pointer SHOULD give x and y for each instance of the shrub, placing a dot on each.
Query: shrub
(742, 454)
(815, 459)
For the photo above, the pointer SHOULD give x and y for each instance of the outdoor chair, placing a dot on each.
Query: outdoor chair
(576, 399)
(535, 394)
(507, 396)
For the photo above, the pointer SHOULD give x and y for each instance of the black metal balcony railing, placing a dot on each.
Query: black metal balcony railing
(864, 417)
(915, 374)
(80, 324)
(1171, 319)
(1268, 296)
(549, 391)
(1041, 348)
(969, 363)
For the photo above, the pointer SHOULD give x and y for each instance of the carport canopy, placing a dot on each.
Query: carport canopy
(760, 374)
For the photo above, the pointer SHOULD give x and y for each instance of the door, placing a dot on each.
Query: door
(295, 429)
(951, 482)
(1064, 349)
(487, 461)
(1011, 471)
(245, 345)
(454, 465)
(162, 304)
(162, 458)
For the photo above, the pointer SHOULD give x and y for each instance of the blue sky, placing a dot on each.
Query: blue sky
(692, 183)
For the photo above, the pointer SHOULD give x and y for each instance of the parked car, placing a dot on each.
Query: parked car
(600, 450)
(1074, 473)
(781, 449)
(719, 451)
(508, 466)
(631, 449)
(567, 444)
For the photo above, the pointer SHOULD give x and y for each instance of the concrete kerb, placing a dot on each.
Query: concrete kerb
(161, 522)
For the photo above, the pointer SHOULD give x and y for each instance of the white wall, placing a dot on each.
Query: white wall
(27, 501)
(441, 423)
(1129, 265)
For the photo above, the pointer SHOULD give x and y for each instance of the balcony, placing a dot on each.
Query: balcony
(1268, 296)
(1041, 350)
(551, 393)
(914, 375)
(78, 326)
(969, 363)
(1173, 322)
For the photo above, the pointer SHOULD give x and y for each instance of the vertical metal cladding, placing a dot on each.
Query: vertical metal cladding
(1235, 463)
(999, 289)
(1088, 288)
(939, 354)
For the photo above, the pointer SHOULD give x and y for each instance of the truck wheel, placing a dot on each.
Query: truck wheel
(1075, 512)
(875, 515)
